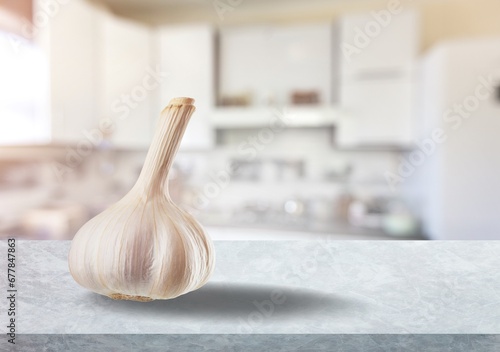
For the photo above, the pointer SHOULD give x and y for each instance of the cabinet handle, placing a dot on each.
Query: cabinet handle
(374, 75)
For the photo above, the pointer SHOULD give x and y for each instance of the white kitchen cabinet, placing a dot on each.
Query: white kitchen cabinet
(100, 68)
(186, 55)
(379, 40)
(129, 81)
(376, 91)
(270, 62)
(377, 112)
(70, 43)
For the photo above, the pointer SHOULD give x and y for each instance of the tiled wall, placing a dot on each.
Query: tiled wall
(296, 164)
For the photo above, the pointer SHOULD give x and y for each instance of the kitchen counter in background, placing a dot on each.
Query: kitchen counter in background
(295, 295)
(314, 231)
(267, 232)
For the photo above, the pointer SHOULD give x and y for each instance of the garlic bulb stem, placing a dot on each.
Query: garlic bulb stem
(174, 120)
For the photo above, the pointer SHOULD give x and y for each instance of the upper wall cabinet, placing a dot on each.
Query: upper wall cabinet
(69, 41)
(380, 40)
(129, 81)
(100, 68)
(186, 58)
(266, 65)
(377, 55)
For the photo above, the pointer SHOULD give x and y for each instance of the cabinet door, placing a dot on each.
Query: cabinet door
(248, 62)
(270, 62)
(186, 56)
(70, 43)
(303, 55)
(129, 81)
(376, 111)
(378, 41)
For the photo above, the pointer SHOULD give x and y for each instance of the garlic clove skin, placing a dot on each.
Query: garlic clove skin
(145, 247)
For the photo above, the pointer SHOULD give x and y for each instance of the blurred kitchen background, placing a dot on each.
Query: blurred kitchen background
(360, 119)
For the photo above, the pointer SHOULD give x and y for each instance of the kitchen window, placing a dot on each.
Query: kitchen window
(24, 92)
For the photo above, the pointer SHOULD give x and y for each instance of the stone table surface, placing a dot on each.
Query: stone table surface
(318, 287)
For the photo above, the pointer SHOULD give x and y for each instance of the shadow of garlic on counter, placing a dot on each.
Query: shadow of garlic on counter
(145, 247)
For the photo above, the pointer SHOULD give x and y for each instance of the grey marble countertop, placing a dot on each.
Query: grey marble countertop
(318, 287)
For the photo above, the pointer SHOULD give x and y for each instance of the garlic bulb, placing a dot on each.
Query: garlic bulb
(144, 247)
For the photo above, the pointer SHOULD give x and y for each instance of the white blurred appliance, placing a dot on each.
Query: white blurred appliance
(458, 185)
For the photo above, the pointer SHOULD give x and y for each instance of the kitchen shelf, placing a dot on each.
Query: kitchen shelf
(258, 117)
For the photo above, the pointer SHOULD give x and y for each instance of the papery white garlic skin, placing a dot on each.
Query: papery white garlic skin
(145, 247)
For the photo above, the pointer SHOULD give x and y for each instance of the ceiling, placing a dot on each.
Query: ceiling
(164, 11)
(167, 4)
(148, 5)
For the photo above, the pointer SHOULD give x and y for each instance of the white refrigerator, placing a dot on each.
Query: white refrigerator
(457, 185)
